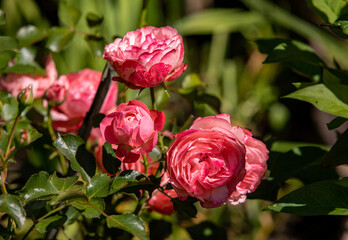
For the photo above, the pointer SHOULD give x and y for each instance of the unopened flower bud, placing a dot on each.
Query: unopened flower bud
(25, 98)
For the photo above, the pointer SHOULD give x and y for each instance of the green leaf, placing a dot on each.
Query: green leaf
(89, 211)
(186, 207)
(59, 38)
(338, 154)
(329, 10)
(68, 15)
(99, 186)
(336, 122)
(322, 98)
(129, 223)
(9, 106)
(321, 198)
(110, 161)
(2, 17)
(68, 145)
(5, 57)
(124, 178)
(8, 43)
(24, 68)
(94, 19)
(9, 204)
(211, 100)
(69, 196)
(38, 185)
(287, 50)
(63, 184)
(55, 221)
(303, 163)
(30, 34)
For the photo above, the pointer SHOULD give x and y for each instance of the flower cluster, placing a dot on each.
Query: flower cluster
(212, 161)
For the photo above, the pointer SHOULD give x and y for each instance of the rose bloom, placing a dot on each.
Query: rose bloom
(133, 128)
(15, 82)
(79, 90)
(147, 57)
(215, 162)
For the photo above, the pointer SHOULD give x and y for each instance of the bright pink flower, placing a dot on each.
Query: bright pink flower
(147, 57)
(133, 128)
(215, 162)
(15, 82)
(81, 88)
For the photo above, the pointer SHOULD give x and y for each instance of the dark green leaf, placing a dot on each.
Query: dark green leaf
(9, 204)
(94, 19)
(99, 186)
(69, 196)
(8, 43)
(321, 198)
(211, 100)
(63, 184)
(336, 122)
(129, 223)
(86, 160)
(185, 207)
(322, 98)
(68, 146)
(124, 178)
(68, 15)
(339, 152)
(25, 68)
(2, 17)
(90, 211)
(59, 38)
(303, 163)
(30, 34)
(5, 57)
(36, 209)
(38, 185)
(110, 162)
(55, 221)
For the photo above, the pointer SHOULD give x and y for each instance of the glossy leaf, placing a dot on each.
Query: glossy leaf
(110, 161)
(129, 223)
(59, 38)
(124, 178)
(69, 196)
(68, 15)
(31, 34)
(68, 146)
(99, 186)
(90, 211)
(5, 57)
(55, 221)
(338, 154)
(322, 98)
(12, 206)
(63, 184)
(38, 185)
(8, 43)
(321, 198)
(9, 108)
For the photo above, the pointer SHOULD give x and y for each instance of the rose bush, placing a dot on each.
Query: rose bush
(212, 158)
(133, 128)
(79, 90)
(147, 57)
(15, 82)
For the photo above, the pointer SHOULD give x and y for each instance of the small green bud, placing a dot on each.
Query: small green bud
(25, 98)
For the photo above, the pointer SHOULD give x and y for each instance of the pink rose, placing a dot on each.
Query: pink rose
(215, 162)
(15, 82)
(147, 57)
(133, 128)
(255, 165)
(80, 90)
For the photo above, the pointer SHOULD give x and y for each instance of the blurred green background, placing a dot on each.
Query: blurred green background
(225, 74)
